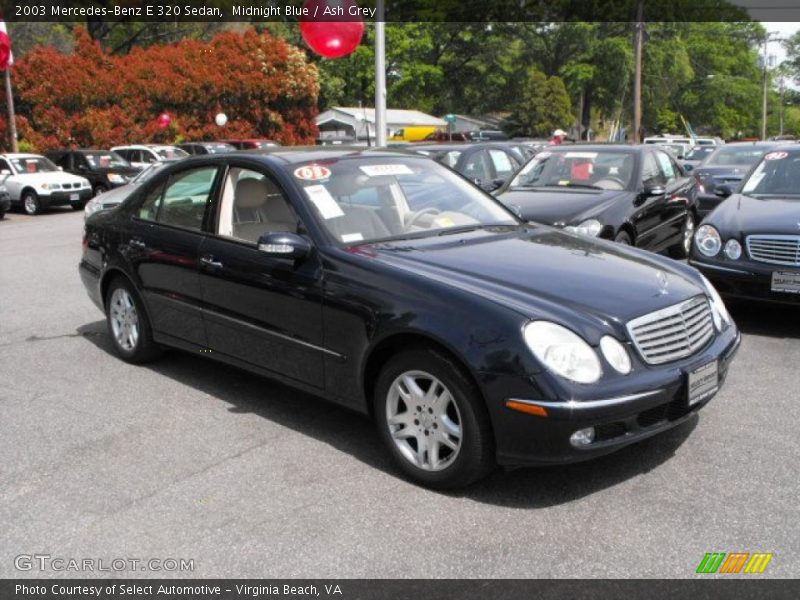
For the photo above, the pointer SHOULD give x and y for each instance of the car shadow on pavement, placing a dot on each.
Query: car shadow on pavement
(772, 320)
(355, 434)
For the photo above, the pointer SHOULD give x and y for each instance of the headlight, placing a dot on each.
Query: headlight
(708, 241)
(562, 352)
(733, 249)
(50, 186)
(719, 311)
(616, 354)
(592, 228)
(91, 207)
(116, 178)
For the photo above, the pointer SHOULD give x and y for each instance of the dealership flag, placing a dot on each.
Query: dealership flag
(6, 57)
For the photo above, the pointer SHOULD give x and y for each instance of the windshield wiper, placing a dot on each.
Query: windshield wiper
(468, 228)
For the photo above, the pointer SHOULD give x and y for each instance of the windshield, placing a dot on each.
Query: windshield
(698, 153)
(600, 170)
(170, 152)
(105, 160)
(33, 164)
(383, 198)
(778, 174)
(731, 155)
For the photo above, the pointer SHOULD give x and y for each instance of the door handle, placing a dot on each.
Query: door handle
(209, 261)
(137, 244)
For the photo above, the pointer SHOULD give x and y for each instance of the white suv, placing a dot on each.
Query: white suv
(141, 155)
(36, 183)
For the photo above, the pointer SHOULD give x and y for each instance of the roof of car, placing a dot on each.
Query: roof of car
(20, 155)
(298, 154)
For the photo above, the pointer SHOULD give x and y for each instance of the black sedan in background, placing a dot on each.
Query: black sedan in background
(470, 337)
(103, 168)
(195, 148)
(488, 165)
(749, 247)
(634, 195)
(727, 165)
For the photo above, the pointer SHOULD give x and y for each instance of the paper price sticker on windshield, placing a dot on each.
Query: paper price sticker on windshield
(312, 173)
(325, 203)
(776, 155)
(378, 170)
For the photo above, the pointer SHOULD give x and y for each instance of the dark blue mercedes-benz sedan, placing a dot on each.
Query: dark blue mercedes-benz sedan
(391, 285)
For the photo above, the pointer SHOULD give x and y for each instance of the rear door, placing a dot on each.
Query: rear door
(679, 190)
(162, 245)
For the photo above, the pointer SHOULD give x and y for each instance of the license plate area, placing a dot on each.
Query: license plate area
(787, 282)
(74, 197)
(702, 382)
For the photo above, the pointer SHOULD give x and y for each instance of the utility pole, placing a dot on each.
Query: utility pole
(783, 89)
(380, 75)
(637, 82)
(764, 102)
(12, 121)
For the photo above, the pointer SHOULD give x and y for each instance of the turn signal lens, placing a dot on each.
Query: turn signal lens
(531, 409)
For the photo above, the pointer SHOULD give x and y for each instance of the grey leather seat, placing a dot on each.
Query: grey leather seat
(258, 207)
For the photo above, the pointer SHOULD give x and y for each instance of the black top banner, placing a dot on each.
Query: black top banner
(464, 11)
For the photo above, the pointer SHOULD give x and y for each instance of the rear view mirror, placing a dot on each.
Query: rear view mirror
(688, 167)
(282, 244)
(655, 190)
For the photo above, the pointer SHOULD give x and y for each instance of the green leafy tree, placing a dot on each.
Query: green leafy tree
(543, 106)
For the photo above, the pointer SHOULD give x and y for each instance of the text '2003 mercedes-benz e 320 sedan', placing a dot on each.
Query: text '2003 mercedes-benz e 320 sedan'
(391, 285)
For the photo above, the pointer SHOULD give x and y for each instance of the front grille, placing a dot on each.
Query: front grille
(674, 332)
(775, 249)
(67, 186)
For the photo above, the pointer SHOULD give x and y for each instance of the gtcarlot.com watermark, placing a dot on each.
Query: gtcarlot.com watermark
(47, 562)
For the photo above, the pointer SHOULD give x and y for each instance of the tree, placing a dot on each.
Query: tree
(543, 106)
(95, 98)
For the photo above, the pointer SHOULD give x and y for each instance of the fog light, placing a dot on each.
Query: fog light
(582, 437)
(733, 249)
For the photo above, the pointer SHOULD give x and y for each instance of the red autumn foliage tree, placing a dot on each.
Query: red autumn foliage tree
(91, 98)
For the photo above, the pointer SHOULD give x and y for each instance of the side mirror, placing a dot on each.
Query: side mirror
(723, 190)
(655, 190)
(282, 244)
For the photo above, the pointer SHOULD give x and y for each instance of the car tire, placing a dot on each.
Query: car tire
(684, 247)
(624, 238)
(99, 189)
(31, 204)
(128, 323)
(448, 441)
(2, 215)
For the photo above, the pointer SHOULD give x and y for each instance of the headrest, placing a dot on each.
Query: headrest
(251, 193)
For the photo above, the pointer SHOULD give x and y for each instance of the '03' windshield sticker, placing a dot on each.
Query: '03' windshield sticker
(312, 173)
(776, 156)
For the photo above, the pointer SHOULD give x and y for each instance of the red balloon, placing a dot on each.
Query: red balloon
(5, 50)
(332, 35)
(164, 120)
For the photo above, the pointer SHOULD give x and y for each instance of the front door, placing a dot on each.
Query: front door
(261, 310)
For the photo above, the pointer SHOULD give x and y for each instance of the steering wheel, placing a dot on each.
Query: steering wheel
(610, 179)
(416, 215)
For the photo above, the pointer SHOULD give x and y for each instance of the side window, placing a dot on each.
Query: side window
(152, 202)
(4, 166)
(253, 204)
(476, 167)
(186, 196)
(78, 161)
(504, 164)
(667, 167)
(146, 156)
(651, 174)
(124, 154)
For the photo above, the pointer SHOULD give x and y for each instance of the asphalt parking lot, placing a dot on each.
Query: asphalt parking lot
(186, 458)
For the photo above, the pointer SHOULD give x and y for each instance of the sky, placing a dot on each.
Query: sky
(784, 30)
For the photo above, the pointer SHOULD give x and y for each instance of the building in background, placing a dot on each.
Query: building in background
(358, 124)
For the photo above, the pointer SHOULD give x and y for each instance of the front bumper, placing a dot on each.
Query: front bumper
(64, 198)
(658, 401)
(745, 279)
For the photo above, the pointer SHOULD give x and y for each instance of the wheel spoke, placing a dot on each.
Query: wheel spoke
(422, 451)
(413, 388)
(404, 433)
(451, 428)
(400, 419)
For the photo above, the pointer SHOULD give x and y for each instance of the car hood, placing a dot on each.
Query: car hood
(741, 214)
(543, 272)
(115, 195)
(720, 174)
(557, 207)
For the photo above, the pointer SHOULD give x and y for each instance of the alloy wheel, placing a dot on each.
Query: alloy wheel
(688, 233)
(31, 205)
(424, 421)
(124, 320)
